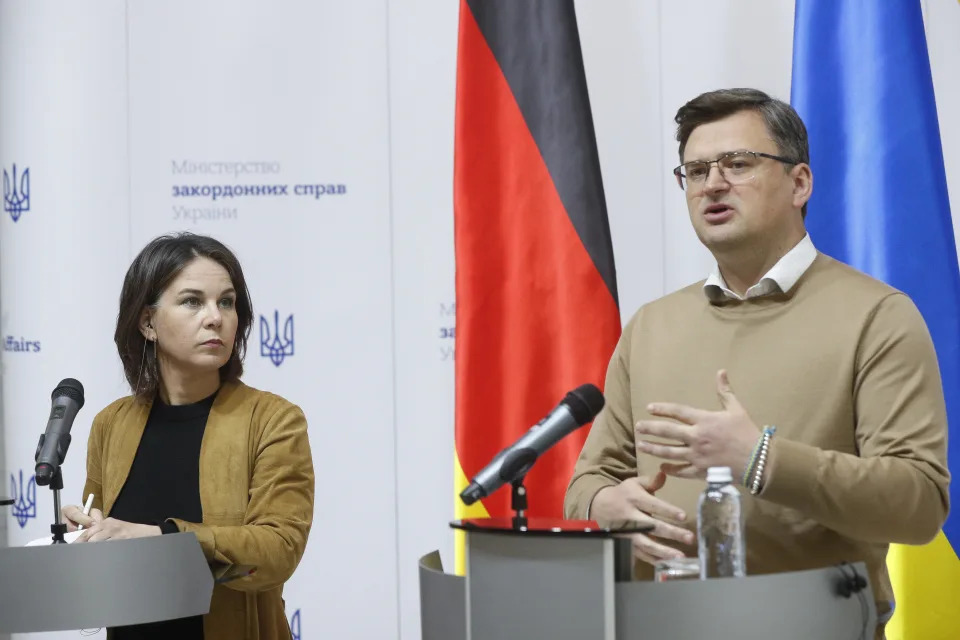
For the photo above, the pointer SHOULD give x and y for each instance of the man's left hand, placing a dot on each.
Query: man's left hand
(723, 438)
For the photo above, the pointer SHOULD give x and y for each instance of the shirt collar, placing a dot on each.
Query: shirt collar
(780, 279)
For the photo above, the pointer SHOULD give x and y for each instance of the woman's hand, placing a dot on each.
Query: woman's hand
(113, 529)
(73, 516)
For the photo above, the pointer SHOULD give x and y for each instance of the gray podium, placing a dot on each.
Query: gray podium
(103, 584)
(574, 581)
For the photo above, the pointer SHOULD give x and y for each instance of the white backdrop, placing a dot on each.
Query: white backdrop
(114, 105)
(62, 114)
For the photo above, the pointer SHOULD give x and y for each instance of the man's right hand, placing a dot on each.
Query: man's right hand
(633, 500)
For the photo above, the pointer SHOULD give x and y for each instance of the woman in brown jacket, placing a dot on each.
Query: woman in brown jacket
(194, 449)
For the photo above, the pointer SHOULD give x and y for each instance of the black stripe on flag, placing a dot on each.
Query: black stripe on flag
(537, 45)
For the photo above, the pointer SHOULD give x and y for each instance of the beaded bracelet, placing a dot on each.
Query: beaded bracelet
(748, 470)
(761, 459)
(751, 464)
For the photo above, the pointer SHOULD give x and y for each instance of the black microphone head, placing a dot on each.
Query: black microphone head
(471, 494)
(70, 388)
(585, 402)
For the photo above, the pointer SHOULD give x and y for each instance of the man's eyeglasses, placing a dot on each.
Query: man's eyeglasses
(736, 167)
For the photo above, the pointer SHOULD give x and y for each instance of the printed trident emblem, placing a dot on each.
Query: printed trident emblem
(272, 345)
(16, 193)
(295, 625)
(25, 506)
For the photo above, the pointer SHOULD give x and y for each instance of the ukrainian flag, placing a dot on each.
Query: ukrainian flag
(862, 84)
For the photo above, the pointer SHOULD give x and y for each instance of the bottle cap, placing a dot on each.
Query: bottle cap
(719, 474)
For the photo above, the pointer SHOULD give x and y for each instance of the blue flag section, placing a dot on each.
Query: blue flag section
(863, 86)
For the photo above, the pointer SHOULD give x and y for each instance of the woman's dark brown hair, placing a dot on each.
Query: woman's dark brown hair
(151, 272)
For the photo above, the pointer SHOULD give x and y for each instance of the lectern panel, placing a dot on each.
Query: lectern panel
(540, 588)
(442, 601)
(787, 606)
(103, 584)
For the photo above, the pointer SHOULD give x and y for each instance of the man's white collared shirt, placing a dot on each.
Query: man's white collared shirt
(780, 279)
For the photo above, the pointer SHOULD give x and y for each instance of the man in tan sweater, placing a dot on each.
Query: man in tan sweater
(781, 336)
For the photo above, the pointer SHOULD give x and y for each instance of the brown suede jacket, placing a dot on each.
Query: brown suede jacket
(256, 490)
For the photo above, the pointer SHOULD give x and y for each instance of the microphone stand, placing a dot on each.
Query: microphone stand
(516, 465)
(58, 528)
(518, 502)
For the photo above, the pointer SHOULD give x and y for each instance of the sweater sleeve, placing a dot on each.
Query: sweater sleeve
(896, 489)
(280, 511)
(609, 455)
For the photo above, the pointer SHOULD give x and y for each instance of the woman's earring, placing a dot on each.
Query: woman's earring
(143, 354)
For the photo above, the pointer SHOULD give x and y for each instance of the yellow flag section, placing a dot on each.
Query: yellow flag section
(476, 510)
(927, 585)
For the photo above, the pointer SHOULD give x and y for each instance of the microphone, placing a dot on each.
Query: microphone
(67, 400)
(576, 409)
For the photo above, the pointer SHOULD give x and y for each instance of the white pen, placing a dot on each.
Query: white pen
(86, 509)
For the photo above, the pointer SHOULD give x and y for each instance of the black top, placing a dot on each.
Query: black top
(164, 482)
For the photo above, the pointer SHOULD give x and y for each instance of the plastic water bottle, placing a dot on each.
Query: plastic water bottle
(719, 527)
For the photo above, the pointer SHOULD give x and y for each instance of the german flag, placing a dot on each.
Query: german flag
(537, 311)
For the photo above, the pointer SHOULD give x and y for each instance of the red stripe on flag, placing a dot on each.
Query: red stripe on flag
(534, 317)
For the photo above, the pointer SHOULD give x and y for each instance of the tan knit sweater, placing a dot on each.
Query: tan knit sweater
(844, 367)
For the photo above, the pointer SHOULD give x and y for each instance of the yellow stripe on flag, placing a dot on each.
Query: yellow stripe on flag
(926, 585)
(460, 511)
